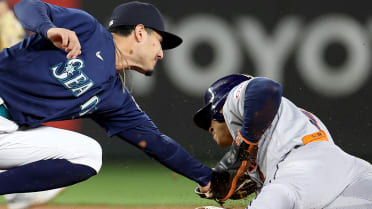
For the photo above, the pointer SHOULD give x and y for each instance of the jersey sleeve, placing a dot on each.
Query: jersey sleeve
(261, 103)
(39, 17)
(119, 112)
(131, 124)
(168, 152)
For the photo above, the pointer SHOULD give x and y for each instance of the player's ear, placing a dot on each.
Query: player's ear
(139, 32)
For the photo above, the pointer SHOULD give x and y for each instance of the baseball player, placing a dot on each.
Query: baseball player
(11, 32)
(70, 69)
(286, 150)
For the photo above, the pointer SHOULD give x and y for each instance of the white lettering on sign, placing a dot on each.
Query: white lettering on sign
(269, 50)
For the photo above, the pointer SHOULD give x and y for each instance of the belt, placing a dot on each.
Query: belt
(4, 112)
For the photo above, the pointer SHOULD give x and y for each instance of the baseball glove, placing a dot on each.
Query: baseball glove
(230, 179)
(245, 188)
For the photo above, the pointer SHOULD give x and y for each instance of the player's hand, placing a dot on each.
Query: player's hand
(66, 40)
(205, 191)
(205, 188)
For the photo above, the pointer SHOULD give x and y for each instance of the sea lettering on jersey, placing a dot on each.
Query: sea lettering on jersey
(72, 77)
(89, 106)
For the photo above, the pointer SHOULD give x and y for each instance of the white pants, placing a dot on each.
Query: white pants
(20, 147)
(316, 176)
(357, 195)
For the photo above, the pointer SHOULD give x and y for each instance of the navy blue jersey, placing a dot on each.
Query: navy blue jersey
(38, 84)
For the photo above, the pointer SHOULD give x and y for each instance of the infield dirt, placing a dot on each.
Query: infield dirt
(111, 207)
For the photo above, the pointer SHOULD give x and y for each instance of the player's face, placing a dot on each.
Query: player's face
(149, 51)
(220, 133)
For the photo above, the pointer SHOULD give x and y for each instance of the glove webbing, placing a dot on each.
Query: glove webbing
(239, 173)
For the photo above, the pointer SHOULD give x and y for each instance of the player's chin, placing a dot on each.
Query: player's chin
(219, 142)
(147, 72)
(223, 143)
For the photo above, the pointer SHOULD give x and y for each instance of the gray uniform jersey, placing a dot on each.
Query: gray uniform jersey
(292, 175)
(280, 137)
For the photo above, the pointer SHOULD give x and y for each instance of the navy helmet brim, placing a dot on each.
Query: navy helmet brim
(202, 117)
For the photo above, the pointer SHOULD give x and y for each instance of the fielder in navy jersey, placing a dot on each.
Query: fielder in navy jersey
(70, 69)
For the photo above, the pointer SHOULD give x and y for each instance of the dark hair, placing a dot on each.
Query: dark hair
(126, 30)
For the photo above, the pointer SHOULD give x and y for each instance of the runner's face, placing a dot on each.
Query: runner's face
(220, 133)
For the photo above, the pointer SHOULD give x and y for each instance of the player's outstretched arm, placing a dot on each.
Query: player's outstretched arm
(169, 153)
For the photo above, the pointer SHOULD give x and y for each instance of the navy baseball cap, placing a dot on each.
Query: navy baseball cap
(134, 13)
